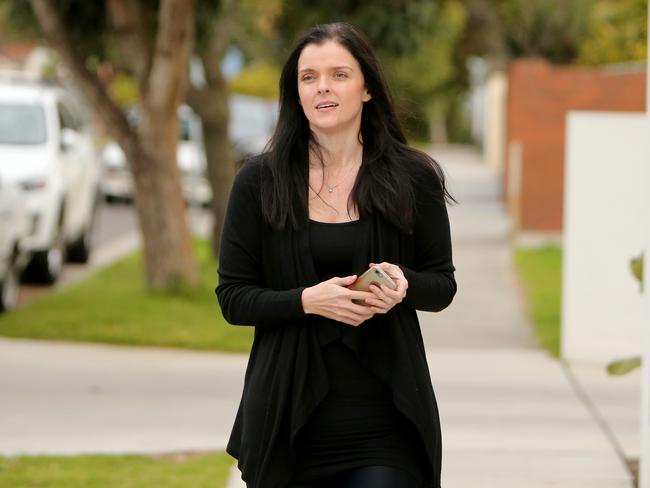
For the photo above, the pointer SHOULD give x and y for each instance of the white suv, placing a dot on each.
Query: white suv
(14, 227)
(47, 149)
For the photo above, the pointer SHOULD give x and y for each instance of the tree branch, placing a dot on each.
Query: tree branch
(55, 33)
(129, 24)
(174, 43)
(221, 34)
(195, 98)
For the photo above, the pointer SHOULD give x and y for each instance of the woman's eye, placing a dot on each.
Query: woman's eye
(307, 78)
(340, 74)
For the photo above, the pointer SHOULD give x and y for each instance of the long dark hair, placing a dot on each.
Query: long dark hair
(389, 170)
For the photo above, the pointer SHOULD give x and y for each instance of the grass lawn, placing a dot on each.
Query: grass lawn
(113, 306)
(209, 470)
(541, 272)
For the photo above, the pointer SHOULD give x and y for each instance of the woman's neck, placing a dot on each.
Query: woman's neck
(338, 149)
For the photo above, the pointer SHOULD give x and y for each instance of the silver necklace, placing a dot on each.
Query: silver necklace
(330, 189)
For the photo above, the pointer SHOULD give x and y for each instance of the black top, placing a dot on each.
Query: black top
(357, 423)
(262, 274)
(332, 247)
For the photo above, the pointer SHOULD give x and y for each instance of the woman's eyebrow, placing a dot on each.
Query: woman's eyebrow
(331, 68)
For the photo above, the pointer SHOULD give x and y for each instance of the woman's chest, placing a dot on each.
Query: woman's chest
(330, 202)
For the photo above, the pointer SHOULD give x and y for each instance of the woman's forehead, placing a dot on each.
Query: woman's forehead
(327, 55)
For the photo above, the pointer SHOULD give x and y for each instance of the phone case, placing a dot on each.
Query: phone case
(374, 275)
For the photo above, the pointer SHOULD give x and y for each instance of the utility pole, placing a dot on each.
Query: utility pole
(644, 462)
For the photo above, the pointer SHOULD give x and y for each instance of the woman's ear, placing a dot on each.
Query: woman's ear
(366, 96)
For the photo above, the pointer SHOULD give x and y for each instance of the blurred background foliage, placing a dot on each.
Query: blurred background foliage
(260, 78)
(617, 31)
(424, 44)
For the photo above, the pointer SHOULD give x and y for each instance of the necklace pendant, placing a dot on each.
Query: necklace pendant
(330, 190)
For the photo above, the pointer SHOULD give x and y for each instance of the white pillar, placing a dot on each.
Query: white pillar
(644, 469)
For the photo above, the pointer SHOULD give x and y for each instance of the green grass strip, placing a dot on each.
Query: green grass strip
(206, 470)
(113, 306)
(541, 273)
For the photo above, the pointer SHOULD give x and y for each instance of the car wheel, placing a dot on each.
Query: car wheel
(46, 266)
(9, 288)
(79, 250)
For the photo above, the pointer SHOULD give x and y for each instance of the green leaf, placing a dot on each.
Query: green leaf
(636, 265)
(624, 366)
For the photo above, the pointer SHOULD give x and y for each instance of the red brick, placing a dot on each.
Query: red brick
(539, 97)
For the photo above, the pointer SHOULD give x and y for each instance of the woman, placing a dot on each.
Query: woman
(336, 393)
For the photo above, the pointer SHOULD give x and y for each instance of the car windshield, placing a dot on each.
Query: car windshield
(21, 124)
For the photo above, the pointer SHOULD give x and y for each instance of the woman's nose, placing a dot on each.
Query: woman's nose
(322, 86)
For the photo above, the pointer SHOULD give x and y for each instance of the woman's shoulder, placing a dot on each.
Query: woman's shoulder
(250, 171)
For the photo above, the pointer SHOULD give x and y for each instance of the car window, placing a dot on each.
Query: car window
(22, 124)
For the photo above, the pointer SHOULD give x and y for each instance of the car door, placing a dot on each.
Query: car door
(71, 161)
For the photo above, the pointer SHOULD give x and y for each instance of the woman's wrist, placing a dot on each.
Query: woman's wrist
(305, 297)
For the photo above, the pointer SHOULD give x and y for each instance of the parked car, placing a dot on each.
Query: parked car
(117, 181)
(14, 227)
(251, 124)
(47, 149)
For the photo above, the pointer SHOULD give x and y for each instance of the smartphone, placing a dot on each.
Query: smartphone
(373, 276)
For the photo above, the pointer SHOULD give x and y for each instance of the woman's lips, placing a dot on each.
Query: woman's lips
(326, 106)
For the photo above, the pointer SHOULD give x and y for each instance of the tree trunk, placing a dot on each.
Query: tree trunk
(169, 257)
(211, 103)
(219, 152)
(221, 176)
(151, 152)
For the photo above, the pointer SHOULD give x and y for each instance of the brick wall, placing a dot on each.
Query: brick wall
(539, 96)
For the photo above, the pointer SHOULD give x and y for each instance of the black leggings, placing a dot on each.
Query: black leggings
(364, 477)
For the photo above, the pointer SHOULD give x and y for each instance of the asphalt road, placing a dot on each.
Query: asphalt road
(113, 222)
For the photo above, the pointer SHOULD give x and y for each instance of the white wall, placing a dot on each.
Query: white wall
(478, 69)
(602, 307)
(496, 92)
(644, 465)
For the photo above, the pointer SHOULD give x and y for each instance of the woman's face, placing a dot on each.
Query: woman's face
(331, 87)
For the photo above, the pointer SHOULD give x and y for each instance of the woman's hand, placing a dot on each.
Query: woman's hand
(333, 300)
(383, 297)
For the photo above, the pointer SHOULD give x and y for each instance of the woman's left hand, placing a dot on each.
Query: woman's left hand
(387, 298)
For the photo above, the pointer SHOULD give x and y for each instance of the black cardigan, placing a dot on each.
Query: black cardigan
(262, 274)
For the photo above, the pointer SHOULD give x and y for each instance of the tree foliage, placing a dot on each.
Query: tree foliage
(393, 26)
(86, 22)
(617, 31)
(504, 29)
(580, 31)
(551, 29)
(429, 79)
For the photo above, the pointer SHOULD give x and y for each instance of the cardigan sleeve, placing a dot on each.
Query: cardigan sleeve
(431, 280)
(242, 298)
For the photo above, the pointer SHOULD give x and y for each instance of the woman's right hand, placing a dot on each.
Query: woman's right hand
(333, 300)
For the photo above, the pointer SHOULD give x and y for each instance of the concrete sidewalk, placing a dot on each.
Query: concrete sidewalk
(511, 415)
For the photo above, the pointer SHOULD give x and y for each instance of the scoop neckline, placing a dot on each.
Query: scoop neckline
(347, 222)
